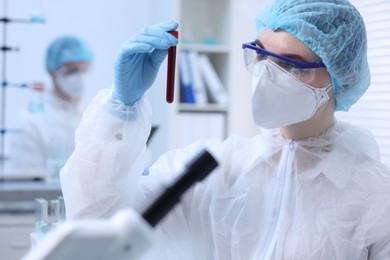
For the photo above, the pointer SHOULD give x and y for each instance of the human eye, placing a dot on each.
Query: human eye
(286, 66)
(305, 75)
(70, 70)
(303, 72)
(260, 56)
(73, 70)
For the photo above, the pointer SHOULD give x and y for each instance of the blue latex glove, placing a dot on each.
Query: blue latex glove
(139, 60)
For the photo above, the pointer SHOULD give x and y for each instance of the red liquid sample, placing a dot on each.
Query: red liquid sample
(171, 70)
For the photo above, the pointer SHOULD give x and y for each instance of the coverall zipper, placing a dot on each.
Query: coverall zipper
(280, 200)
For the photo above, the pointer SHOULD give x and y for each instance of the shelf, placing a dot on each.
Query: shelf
(25, 190)
(203, 108)
(205, 48)
(205, 32)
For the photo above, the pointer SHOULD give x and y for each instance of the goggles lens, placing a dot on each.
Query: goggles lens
(304, 71)
(69, 70)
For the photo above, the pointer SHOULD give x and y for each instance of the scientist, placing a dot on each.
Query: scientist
(309, 187)
(48, 134)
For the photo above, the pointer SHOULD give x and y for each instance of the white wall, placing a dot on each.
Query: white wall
(104, 25)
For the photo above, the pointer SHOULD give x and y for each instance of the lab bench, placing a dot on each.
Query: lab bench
(17, 213)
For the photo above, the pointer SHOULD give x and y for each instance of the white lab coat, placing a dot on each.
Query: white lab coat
(323, 198)
(49, 133)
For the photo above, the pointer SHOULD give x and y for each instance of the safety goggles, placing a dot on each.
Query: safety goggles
(304, 71)
(69, 70)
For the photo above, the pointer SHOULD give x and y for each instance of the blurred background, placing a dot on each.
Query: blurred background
(103, 25)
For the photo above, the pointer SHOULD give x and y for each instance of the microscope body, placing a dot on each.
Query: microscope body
(125, 236)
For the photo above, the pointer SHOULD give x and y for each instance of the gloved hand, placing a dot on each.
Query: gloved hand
(139, 60)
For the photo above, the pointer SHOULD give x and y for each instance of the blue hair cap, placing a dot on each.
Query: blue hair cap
(335, 31)
(66, 49)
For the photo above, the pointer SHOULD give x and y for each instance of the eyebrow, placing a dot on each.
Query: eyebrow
(288, 55)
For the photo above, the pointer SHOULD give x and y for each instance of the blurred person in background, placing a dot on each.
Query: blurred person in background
(48, 130)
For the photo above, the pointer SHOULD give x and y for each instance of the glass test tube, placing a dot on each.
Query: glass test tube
(171, 70)
(41, 216)
(62, 209)
(54, 213)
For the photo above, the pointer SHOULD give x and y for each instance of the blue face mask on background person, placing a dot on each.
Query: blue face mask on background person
(279, 99)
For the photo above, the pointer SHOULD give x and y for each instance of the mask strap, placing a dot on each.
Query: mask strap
(328, 87)
(322, 94)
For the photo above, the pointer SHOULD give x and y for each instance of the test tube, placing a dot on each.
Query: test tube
(171, 70)
(62, 209)
(54, 213)
(41, 216)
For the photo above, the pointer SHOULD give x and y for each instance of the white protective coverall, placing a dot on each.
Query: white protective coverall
(49, 133)
(322, 198)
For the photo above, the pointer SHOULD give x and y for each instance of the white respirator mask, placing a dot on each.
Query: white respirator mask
(72, 85)
(280, 99)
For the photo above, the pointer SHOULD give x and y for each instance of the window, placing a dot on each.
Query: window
(372, 111)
